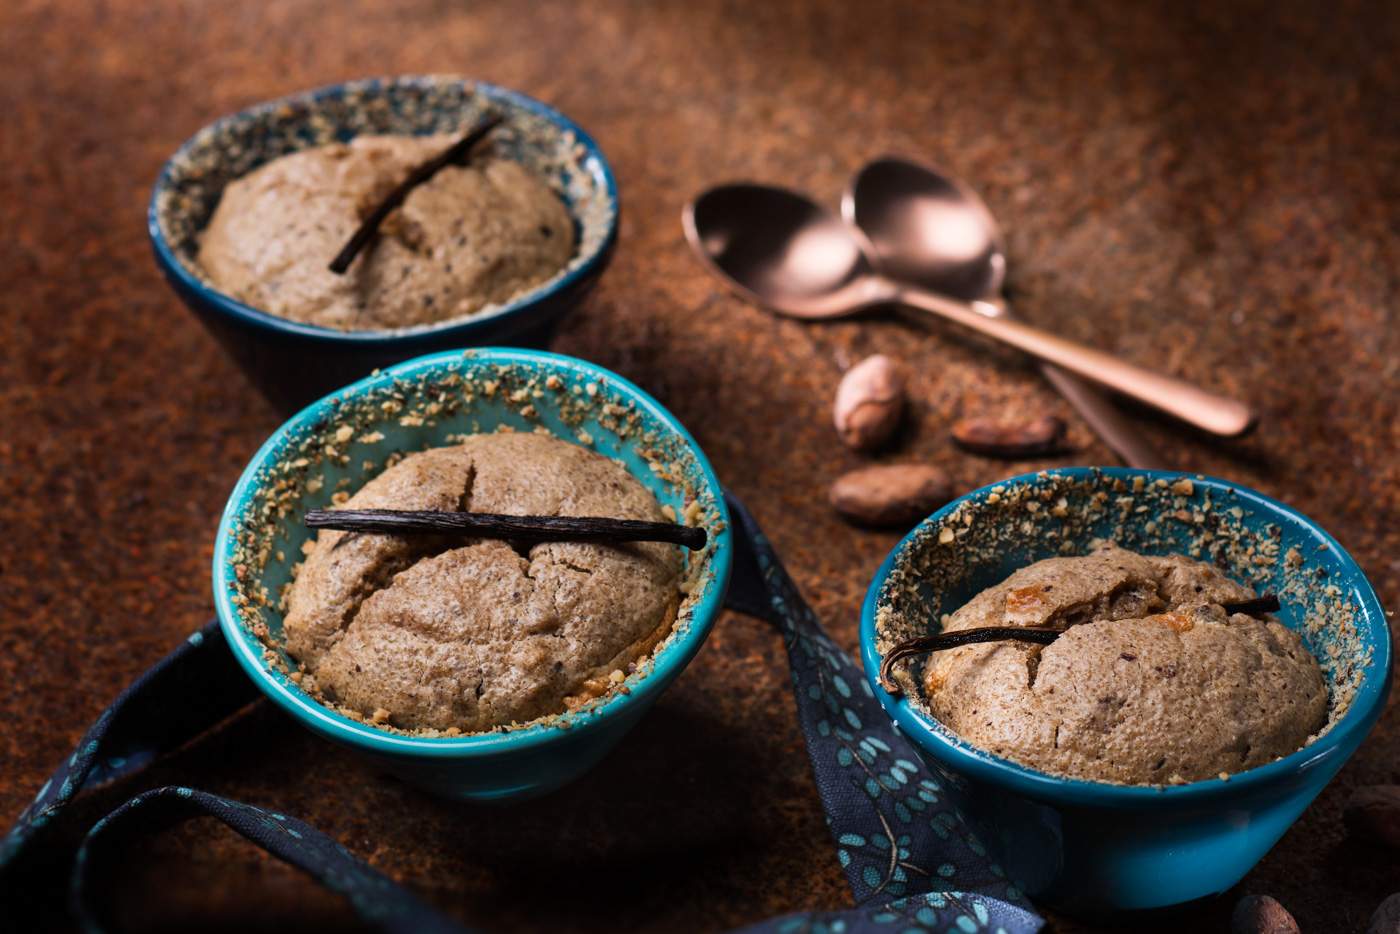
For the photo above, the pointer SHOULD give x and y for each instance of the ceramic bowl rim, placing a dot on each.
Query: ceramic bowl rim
(593, 716)
(248, 315)
(979, 765)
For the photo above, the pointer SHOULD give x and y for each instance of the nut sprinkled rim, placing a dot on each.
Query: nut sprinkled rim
(960, 755)
(673, 655)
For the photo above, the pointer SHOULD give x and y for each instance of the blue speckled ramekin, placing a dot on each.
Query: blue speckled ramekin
(420, 404)
(1114, 851)
(293, 363)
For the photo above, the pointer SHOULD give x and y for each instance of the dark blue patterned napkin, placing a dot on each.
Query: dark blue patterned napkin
(913, 863)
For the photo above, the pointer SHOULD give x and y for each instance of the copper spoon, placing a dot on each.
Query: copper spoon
(928, 228)
(781, 251)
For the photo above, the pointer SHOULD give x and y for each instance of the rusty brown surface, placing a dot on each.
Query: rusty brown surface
(1206, 188)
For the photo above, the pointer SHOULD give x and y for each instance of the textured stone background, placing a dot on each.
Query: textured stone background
(1208, 188)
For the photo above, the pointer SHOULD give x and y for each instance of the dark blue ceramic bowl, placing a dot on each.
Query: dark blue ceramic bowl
(1115, 851)
(347, 438)
(294, 364)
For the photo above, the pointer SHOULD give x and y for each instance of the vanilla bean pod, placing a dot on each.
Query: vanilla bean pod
(491, 525)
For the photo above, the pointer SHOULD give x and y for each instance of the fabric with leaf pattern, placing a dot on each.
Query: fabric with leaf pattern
(187, 692)
(897, 830)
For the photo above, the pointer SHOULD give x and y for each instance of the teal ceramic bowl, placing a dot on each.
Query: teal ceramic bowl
(343, 440)
(294, 364)
(1118, 852)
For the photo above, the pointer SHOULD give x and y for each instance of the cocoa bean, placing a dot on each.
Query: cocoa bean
(891, 494)
(1260, 914)
(869, 401)
(1044, 435)
(1386, 920)
(1373, 813)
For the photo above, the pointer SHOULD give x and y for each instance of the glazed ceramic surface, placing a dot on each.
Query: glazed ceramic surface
(1112, 851)
(342, 441)
(295, 363)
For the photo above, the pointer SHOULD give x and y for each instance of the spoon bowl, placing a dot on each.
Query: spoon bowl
(927, 228)
(780, 250)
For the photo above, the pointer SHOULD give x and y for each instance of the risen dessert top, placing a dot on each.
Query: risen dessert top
(470, 236)
(1152, 682)
(441, 633)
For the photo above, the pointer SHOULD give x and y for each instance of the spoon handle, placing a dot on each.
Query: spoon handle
(1105, 420)
(1228, 418)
